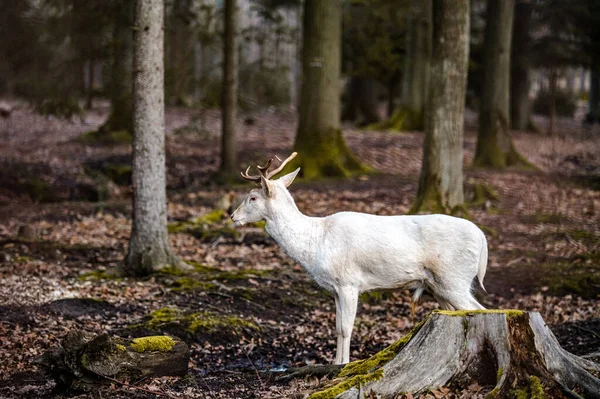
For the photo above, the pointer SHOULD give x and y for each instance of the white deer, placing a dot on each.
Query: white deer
(348, 252)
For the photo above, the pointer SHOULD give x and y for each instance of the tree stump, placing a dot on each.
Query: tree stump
(512, 351)
(84, 360)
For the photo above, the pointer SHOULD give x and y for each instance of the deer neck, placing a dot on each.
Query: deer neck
(297, 234)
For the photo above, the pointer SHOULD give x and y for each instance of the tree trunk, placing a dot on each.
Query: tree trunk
(84, 360)
(321, 148)
(552, 81)
(520, 80)
(362, 103)
(512, 352)
(91, 83)
(149, 248)
(593, 115)
(441, 182)
(416, 79)
(229, 98)
(495, 147)
(120, 117)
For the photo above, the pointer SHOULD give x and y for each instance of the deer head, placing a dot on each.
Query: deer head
(269, 197)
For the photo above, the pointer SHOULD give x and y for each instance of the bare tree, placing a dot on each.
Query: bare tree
(441, 182)
(495, 147)
(149, 248)
(319, 141)
(229, 109)
(120, 117)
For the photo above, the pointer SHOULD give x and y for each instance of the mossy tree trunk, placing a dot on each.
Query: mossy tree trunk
(520, 68)
(321, 148)
(149, 248)
(229, 98)
(511, 352)
(120, 88)
(495, 147)
(441, 182)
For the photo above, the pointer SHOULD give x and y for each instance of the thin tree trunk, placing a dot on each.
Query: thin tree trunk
(520, 80)
(149, 248)
(441, 182)
(362, 101)
(319, 141)
(228, 161)
(495, 147)
(121, 71)
(552, 80)
(91, 81)
(416, 79)
(593, 115)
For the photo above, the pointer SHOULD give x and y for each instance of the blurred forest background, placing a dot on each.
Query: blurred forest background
(488, 110)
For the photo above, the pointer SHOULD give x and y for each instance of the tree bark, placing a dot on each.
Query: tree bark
(149, 248)
(441, 182)
(321, 148)
(120, 117)
(495, 147)
(84, 360)
(229, 98)
(520, 80)
(512, 351)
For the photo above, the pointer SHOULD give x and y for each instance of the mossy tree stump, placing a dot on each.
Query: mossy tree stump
(512, 351)
(84, 360)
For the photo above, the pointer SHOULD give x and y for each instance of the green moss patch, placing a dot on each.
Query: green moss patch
(160, 343)
(548, 218)
(379, 359)
(99, 137)
(99, 275)
(534, 390)
(345, 385)
(205, 322)
(564, 278)
(207, 227)
(212, 323)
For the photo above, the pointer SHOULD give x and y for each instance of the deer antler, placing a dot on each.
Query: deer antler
(264, 170)
(248, 177)
(282, 165)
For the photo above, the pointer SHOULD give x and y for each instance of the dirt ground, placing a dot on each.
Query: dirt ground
(260, 312)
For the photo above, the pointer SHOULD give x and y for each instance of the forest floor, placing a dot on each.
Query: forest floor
(258, 311)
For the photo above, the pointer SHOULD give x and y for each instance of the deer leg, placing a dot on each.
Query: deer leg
(348, 298)
(338, 329)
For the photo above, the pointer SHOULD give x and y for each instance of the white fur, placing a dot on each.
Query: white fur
(348, 253)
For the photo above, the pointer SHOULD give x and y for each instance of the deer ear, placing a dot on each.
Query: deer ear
(265, 186)
(289, 178)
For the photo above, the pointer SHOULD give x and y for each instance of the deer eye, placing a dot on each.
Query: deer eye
(252, 198)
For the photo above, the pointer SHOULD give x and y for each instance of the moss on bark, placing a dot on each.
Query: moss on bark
(404, 119)
(326, 156)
